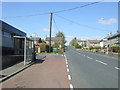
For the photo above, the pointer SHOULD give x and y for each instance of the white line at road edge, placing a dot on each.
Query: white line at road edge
(68, 70)
(65, 58)
(71, 86)
(62, 55)
(66, 62)
(101, 62)
(67, 66)
(117, 68)
(69, 77)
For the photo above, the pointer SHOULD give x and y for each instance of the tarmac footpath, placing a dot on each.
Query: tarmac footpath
(15, 69)
(50, 72)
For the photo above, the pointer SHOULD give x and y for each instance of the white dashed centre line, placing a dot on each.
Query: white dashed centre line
(101, 62)
(97, 60)
(90, 58)
(117, 68)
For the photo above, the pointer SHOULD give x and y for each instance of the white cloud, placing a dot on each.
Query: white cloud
(107, 22)
(48, 30)
(69, 38)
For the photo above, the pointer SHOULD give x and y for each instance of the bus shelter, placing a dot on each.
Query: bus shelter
(29, 49)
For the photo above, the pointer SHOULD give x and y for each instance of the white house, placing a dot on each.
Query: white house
(93, 43)
(82, 43)
(103, 43)
(114, 40)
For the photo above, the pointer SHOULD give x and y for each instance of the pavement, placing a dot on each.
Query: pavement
(14, 69)
(49, 72)
(89, 70)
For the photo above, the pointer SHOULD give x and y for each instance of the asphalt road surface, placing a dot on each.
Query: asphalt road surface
(90, 70)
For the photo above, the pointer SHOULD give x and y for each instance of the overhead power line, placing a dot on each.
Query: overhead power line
(80, 23)
(27, 15)
(56, 24)
(78, 7)
(22, 16)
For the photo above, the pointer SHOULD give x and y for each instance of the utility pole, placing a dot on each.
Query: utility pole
(51, 14)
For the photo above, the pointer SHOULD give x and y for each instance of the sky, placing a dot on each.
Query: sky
(90, 22)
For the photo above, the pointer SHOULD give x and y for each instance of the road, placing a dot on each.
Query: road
(89, 70)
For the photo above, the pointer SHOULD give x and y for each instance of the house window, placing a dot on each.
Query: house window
(6, 34)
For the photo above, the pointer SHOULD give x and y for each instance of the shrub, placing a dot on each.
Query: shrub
(78, 46)
(115, 49)
(47, 48)
(95, 48)
(42, 47)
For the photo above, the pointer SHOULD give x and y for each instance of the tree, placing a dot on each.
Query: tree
(56, 45)
(61, 34)
(39, 41)
(78, 46)
(74, 41)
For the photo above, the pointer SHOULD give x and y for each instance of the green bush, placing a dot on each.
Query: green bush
(95, 48)
(77, 46)
(42, 47)
(47, 48)
(60, 52)
(115, 49)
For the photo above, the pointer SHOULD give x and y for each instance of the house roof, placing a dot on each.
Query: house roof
(34, 38)
(81, 40)
(94, 41)
(103, 40)
(11, 29)
(114, 36)
(54, 39)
